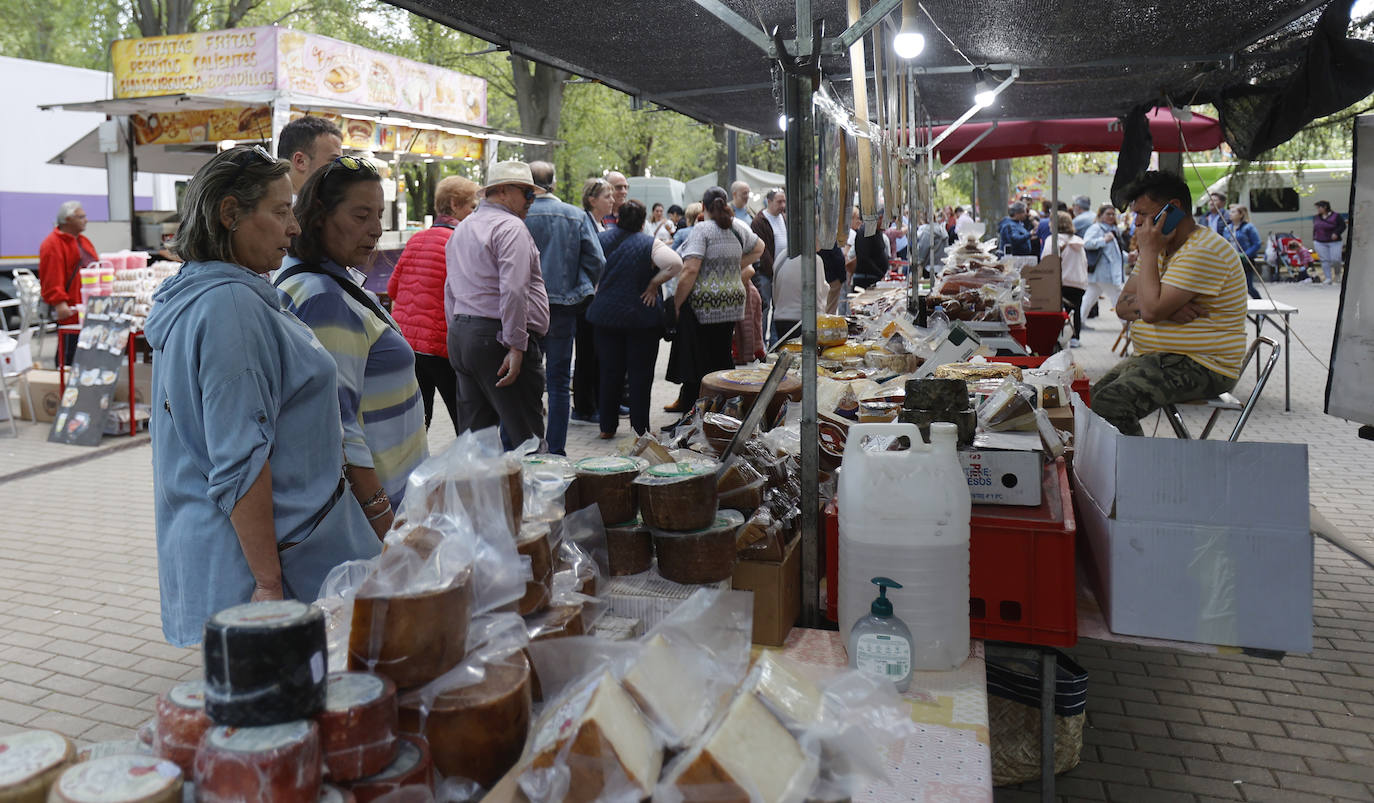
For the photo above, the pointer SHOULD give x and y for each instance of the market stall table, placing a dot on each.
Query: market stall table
(1260, 309)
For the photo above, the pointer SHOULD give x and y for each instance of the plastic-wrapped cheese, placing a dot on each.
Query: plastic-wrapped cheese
(264, 663)
(748, 756)
(608, 482)
(703, 556)
(598, 734)
(534, 544)
(357, 725)
(181, 722)
(793, 699)
(572, 499)
(119, 779)
(333, 794)
(678, 496)
(477, 732)
(411, 638)
(411, 767)
(280, 763)
(663, 683)
(629, 548)
(30, 762)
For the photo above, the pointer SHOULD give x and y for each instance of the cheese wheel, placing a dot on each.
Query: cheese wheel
(333, 794)
(357, 725)
(477, 732)
(678, 496)
(181, 722)
(123, 747)
(411, 767)
(557, 464)
(264, 663)
(119, 779)
(534, 544)
(30, 762)
(831, 330)
(629, 548)
(280, 763)
(746, 384)
(411, 638)
(598, 733)
(748, 756)
(474, 490)
(668, 690)
(608, 483)
(703, 556)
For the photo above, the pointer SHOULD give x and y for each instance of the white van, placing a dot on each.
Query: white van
(1282, 202)
(650, 190)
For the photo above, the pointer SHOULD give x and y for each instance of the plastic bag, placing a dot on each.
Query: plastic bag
(472, 480)
(1010, 407)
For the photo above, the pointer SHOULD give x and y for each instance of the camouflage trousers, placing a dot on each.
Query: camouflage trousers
(1139, 385)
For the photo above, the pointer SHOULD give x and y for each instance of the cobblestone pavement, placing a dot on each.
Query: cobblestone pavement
(81, 649)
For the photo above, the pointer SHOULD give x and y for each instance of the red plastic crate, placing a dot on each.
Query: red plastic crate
(1022, 586)
(1080, 386)
(1042, 331)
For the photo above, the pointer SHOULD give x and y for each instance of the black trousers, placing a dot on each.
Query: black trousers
(704, 348)
(626, 351)
(436, 373)
(477, 355)
(586, 381)
(1073, 299)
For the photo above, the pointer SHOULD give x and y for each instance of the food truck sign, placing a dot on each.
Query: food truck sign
(253, 60)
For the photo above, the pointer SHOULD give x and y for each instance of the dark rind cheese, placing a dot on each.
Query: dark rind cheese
(678, 497)
(704, 556)
(411, 638)
(629, 548)
(119, 779)
(477, 732)
(411, 767)
(181, 723)
(357, 725)
(264, 663)
(534, 544)
(30, 762)
(608, 482)
(280, 763)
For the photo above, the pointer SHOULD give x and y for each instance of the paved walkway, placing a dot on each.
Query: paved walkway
(81, 648)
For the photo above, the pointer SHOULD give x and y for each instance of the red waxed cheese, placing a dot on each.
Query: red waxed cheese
(357, 725)
(280, 763)
(412, 767)
(334, 794)
(181, 723)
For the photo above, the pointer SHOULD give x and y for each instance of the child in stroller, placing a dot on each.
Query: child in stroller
(1288, 257)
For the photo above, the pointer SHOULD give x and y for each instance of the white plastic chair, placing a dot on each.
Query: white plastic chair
(30, 304)
(17, 362)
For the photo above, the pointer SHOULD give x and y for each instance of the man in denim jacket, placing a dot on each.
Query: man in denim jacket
(571, 259)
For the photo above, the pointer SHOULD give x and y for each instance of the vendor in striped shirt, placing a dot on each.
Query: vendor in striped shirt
(1186, 305)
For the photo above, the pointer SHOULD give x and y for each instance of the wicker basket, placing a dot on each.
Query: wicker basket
(1014, 714)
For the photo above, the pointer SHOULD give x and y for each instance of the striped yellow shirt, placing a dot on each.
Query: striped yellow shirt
(1210, 267)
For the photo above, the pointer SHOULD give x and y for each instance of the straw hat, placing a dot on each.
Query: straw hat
(509, 173)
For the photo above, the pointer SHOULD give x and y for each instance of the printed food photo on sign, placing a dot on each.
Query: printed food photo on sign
(381, 84)
(359, 133)
(256, 122)
(342, 79)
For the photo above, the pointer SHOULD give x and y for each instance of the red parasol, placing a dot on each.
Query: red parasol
(1015, 138)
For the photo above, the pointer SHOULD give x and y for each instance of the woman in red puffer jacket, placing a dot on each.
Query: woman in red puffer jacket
(416, 288)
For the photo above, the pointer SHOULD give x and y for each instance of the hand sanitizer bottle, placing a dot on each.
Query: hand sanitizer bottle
(880, 643)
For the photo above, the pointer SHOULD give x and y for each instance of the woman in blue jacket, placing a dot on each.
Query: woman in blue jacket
(247, 443)
(1243, 234)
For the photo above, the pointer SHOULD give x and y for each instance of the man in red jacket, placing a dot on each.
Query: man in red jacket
(61, 257)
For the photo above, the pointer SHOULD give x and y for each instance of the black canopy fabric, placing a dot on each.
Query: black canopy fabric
(1101, 59)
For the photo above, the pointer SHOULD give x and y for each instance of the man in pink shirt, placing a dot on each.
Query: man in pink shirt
(498, 310)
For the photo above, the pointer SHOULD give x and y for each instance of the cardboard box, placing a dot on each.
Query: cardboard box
(1042, 286)
(647, 596)
(43, 385)
(997, 477)
(1203, 541)
(143, 383)
(777, 594)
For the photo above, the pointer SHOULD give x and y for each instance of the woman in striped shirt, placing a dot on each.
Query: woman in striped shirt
(340, 212)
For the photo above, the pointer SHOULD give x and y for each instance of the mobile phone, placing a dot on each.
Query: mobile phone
(1172, 217)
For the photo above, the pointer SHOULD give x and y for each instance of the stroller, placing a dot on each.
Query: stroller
(1287, 257)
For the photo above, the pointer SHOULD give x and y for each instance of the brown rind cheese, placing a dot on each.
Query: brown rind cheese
(119, 779)
(280, 763)
(411, 767)
(534, 544)
(181, 723)
(629, 548)
(608, 482)
(477, 732)
(704, 556)
(357, 725)
(411, 638)
(678, 497)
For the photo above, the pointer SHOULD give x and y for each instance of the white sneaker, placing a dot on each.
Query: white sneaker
(1326, 281)
(1073, 343)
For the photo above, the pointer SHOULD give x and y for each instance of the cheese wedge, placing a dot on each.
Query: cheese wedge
(749, 756)
(792, 698)
(667, 689)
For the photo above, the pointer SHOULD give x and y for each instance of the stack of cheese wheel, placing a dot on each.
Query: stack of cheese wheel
(357, 725)
(678, 497)
(30, 762)
(629, 548)
(476, 731)
(181, 723)
(535, 543)
(706, 555)
(608, 483)
(411, 638)
(411, 767)
(119, 779)
(484, 488)
(535, 464)
(280, 763)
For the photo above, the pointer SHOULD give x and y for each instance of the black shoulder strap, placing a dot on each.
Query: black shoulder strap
(352, 289)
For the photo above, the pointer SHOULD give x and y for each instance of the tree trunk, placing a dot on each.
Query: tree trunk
(722, 157)
(539, 99)
(993, 184)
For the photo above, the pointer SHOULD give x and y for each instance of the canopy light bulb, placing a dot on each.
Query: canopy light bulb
(782, 122)
(984, 91)
(909, 44)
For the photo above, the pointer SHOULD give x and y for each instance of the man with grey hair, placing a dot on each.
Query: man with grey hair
(739, 201)
(620, 193)
(1012, 232)
(1083, 214)
(61, 256)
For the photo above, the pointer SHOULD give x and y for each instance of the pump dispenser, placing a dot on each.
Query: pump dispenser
(880, 643)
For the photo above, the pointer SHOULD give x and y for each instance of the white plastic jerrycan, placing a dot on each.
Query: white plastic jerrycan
(905, 515)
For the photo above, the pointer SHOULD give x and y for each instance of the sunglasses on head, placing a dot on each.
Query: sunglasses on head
(353, 164)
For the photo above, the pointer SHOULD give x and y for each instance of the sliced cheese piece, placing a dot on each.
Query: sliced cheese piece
(280, 763)
(749, 756)
(30, 762)
(181, 723)
(357, 725)
(666, 687)
(598, 734)
(794, 699)
(119, 779)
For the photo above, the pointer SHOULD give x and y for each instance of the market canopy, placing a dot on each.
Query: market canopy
(1074, 61)
(1016, 138)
